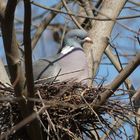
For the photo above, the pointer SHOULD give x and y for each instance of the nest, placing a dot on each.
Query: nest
(67, 112)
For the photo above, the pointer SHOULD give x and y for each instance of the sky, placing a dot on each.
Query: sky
(125, 41)
(122, 39)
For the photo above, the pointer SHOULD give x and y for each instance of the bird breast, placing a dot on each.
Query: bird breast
(74, 66)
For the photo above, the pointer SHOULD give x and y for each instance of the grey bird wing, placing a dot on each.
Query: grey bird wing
(44, 68)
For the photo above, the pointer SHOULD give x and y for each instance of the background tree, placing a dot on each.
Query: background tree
(112, 58)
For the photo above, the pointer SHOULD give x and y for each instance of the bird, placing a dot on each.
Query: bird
(70, 64)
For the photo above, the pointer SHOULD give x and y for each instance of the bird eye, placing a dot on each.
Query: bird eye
(76, 37)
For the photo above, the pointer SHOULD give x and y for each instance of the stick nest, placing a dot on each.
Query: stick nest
(68, 111)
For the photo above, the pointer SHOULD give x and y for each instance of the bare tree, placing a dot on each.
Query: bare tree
(111, 28)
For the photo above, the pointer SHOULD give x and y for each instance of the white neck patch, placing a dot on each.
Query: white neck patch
(67, 49)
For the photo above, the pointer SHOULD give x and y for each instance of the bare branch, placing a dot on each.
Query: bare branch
(3, 74)
(28, 50)
(34, 126)
(11, 47)
(104, 18)
(132, 65)
(69, 11)
(117, 65)
(44, 23)
(101, 30)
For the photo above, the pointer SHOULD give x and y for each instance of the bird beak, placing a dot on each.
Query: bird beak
(88, 39)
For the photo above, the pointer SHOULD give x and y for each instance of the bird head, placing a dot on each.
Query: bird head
(76, 38)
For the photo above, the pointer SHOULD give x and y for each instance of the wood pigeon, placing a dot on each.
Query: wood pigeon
(70, 63)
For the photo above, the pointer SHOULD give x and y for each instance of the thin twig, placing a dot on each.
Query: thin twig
(48, 116)
(72, 17)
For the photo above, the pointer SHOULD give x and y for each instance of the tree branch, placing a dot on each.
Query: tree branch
(117, 65)
(12, 56)
(132, 65)
(72, 17)
(28, 50)
(11, 47)
(3, 74)
(34, 130)
(44, 23)
(101, 30)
